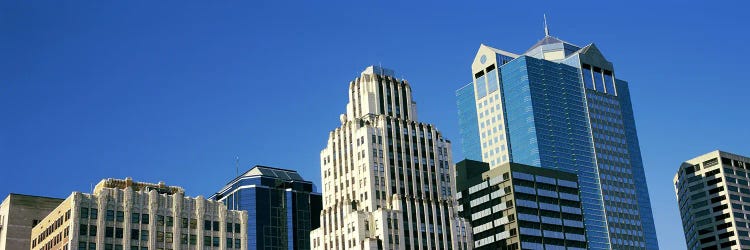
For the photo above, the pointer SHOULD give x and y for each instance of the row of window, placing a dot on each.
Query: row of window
(161, 220)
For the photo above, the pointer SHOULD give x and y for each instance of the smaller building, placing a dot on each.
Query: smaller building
(123, 214)
(18, 214)
(714, 200)
(282, 207)
(516, 206)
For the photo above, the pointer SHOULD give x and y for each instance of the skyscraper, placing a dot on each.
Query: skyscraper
(282, 207)
(714, 200)
(560, 106)
(388, 179)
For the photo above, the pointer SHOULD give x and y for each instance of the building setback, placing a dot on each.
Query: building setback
(388, 180)
(123, 214)
(18, 214)
(561, 106)
(282, 207)
(714, 200)
(516, 206)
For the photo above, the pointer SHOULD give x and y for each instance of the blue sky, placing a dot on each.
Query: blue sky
(173, 91)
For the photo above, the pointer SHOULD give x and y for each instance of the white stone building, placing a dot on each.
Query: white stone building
(122, 214)
(388, 179)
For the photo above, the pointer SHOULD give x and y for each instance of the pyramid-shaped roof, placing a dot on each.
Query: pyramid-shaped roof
(284, 174)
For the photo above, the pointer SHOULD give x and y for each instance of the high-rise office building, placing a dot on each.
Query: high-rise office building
(388, 179)
(561, 106)
(713, 195)
(123, 214)
(282, 207)
(18, 214)
(515, 206)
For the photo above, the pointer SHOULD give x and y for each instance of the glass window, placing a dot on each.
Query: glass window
(94, 213)
(216, 226)
(587, 80)
(481, 84)
(193, 239)
(206, 225)
(92, 230)
(229, 243)
(135, 218)
(120, 216)
(110, 215)
(160, 220)
(170, 221)
(144, 219)
(206, 241)
(216, 241)
(144, 234)
(599, 80)
(84, 213)
(492, 83)
(609, 81)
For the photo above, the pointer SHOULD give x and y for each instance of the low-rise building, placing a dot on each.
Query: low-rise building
(123, 214)
(18, 214)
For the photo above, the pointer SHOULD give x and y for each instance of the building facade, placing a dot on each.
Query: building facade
(516, 206)
(388, 180)
(560, 106)
(18, 214)
(122, 214)
(282, 207)
(714, 199)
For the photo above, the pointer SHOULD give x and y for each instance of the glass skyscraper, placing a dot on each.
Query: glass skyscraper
(560, 106)
(282, 207)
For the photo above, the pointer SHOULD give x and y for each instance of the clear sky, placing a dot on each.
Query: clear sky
(173, 91)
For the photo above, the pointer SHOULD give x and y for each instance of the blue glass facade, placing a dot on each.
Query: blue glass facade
(467, 122)
(282, 207)
(547, 126)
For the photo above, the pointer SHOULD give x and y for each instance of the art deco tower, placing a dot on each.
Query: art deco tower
(388, 179)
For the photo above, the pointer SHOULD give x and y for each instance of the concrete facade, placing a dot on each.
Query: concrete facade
(388, 179)
(18, 214)
(714, 200)
(122, 214)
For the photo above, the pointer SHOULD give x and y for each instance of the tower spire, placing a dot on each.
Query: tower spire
(546, 28)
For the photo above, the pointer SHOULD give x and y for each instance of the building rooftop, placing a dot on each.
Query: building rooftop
(137, 186)
(278, 173)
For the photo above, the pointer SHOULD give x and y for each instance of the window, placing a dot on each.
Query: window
(135, 218)
(120, 216)
(237, 227)
(160, 220)
(84, 213)
(170, 221)
(144, 219)
(144, 234)
(206, 241)
(216, 226)
(109, 232)
(216, 241)
(207, 225)
(94, 213)
(110, 215)
(83, 230)
(92, 230)
(193, 239)
(184, 222)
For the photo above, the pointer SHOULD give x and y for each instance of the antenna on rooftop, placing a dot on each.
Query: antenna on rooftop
(546, 28)
(237, 165)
